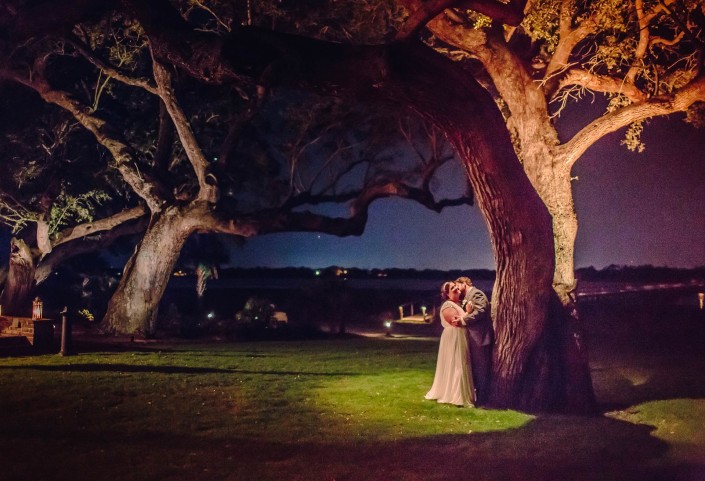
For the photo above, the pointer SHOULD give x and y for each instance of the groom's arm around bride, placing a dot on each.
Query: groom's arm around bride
(479, 332)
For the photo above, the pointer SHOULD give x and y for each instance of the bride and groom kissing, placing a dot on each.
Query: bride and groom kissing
(465, 351)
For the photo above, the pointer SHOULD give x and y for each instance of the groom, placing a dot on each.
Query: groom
(479, 331)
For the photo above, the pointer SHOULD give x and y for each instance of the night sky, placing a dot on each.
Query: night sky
(633, 209)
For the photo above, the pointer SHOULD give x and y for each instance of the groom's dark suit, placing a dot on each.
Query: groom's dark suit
(479, 330)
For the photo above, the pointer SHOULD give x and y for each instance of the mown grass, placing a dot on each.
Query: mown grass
(336, 409)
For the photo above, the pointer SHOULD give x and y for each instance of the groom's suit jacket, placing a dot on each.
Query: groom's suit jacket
(479, 324)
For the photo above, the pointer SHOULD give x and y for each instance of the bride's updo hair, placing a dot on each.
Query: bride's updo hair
(445, 290)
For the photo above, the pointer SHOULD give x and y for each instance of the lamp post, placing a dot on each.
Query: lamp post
(65, 333)
(37, 307)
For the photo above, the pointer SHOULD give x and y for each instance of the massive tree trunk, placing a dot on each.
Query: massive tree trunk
(529, 359)
(16, 297)
(537, 144)
(133, 307)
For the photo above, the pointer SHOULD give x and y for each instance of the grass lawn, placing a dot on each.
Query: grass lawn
(338, 409)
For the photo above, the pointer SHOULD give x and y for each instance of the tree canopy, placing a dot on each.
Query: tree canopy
(246, 65)
(262, 162)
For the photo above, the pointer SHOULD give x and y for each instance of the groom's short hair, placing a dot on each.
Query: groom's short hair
(464, 280)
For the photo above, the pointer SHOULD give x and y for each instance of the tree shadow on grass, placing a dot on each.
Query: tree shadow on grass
(93, 367)
(80, 346)
(619, 387)
(542, 450)
(645, 347)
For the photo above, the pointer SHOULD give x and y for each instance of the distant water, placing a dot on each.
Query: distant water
(585, 289)
(372, 298)
(286, 283)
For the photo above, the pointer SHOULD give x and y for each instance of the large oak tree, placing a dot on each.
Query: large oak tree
(644, 57)
(537, 363)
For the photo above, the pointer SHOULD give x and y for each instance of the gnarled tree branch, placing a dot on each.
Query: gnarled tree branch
(86, 244)
(613, 121)
(208, 190)
(143, 185)
(110, 70)
(101, 225)
(601, 83)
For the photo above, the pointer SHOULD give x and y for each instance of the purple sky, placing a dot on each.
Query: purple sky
(644, 208)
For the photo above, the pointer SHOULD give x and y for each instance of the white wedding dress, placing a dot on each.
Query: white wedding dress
(453, 380)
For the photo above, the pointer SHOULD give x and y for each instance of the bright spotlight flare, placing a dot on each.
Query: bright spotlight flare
(388, 328)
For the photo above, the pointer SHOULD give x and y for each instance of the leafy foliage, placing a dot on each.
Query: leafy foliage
(53, 173)
(68, 209)
(696, 115)
(657, 49)
(541, 23)
(632, 138)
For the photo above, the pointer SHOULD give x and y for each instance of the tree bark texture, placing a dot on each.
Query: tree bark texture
(545, 163)
(16, 297)
(134, 305)
(528, 355)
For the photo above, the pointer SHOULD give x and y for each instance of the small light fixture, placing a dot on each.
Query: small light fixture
(701, 299)
(37, 307)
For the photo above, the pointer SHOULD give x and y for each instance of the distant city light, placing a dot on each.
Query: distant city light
(211, 315)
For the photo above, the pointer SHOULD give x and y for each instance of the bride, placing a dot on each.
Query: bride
(453, 382)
